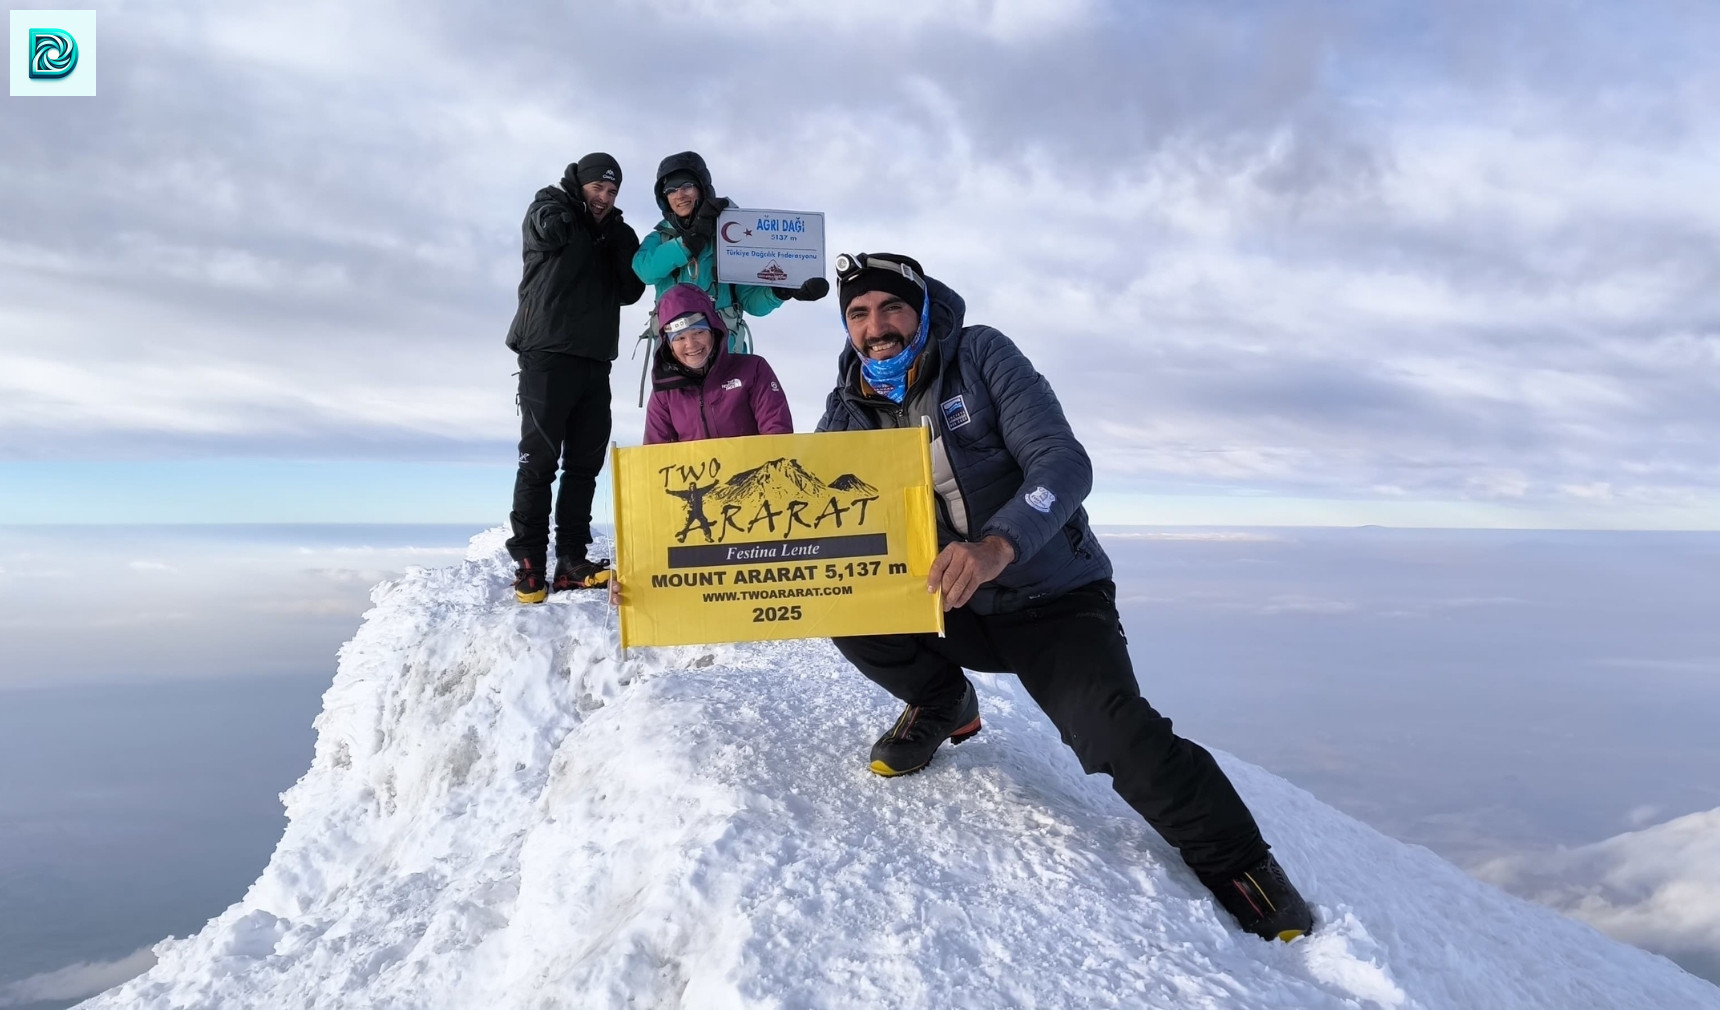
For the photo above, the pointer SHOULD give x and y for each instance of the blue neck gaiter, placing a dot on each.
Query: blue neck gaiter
(890, 376)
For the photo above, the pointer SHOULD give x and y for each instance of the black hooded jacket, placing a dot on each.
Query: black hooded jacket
(692, 163)
(578, 274)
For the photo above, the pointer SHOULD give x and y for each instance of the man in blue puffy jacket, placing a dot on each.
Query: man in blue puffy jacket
(1027, 587)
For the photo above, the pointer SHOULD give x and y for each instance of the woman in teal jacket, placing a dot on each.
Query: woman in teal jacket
(680, 250)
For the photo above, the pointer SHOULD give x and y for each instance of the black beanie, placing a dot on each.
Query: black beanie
(678, 178)
(596, 167)
(884, 279)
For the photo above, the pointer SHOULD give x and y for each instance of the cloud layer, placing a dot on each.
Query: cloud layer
(1658, 888)
(76, 981)
(1393, 254)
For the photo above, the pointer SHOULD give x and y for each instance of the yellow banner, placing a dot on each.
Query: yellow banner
(775, 536)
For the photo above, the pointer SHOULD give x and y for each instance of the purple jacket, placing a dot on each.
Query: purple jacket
(737, 395)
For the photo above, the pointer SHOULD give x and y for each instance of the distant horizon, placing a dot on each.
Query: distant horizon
(261, 490)
(1098, 524)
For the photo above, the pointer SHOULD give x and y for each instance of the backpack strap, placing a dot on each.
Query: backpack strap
(740, 334)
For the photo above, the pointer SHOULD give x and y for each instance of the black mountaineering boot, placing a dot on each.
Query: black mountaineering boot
(529, 586)
(1264, 901)
(578, 573)
(918, 732)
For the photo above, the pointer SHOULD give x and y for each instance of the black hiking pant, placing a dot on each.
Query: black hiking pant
(1072, 658)
(564, 419)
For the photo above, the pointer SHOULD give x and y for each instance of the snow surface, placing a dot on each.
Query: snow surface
(503, 812)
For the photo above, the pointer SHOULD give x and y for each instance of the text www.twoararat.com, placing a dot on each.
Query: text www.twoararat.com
(735, 596)
(771, 614)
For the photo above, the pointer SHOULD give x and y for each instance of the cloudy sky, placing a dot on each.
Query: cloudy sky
(1413, 264)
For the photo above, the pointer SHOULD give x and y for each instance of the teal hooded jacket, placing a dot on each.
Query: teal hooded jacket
(663, 261)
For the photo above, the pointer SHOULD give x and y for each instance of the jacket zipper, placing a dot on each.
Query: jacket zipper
(856, 410)
(703, 418)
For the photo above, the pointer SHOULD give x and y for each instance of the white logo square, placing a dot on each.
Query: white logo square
(52, 54)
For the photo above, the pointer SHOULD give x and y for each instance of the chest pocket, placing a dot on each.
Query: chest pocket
(971, 424)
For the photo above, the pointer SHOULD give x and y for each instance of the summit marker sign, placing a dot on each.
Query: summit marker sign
(776, 248)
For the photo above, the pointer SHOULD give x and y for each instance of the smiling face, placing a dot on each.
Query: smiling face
(600, 197)
(684, 199)
(880, 324)
(692, 347)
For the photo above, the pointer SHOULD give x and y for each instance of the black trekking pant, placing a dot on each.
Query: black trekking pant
(1072, 658)
(564, 419)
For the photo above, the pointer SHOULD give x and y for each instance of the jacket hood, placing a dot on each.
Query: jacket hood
(686, 161)
(684, 298)
(666, 371)
(949, 312)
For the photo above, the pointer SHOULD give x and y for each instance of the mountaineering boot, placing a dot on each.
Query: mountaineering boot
(918, 732)
(579, 574)
(528, 581)
(1264, 901)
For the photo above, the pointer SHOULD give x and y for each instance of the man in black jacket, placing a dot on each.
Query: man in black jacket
(578, 274)
(1027, 587)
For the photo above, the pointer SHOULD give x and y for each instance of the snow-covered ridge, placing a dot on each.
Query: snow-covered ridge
(502, 812)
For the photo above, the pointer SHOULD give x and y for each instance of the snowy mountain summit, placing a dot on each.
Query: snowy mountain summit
(502, 812)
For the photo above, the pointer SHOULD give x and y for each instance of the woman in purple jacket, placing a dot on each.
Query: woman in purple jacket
(699, 389)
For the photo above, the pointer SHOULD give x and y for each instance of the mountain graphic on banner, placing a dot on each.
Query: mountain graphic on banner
(852, 485)
(782, 480)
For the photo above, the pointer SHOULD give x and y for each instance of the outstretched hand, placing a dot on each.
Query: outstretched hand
(811, 291)
(963, 567)
(705, 219)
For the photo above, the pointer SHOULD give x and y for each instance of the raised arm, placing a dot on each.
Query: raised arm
(658, 259)
(548, 224)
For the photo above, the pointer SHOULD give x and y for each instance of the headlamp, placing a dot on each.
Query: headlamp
(850, 266)
(677, 328)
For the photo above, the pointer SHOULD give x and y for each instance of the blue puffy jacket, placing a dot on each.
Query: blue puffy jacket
(1021, 472)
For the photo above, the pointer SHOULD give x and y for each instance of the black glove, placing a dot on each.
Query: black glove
(705, 219)
(695, 243)
(581, 213)
(811, 291)
(611, 226)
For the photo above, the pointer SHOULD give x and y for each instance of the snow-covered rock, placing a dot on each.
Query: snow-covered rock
(504, 812)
